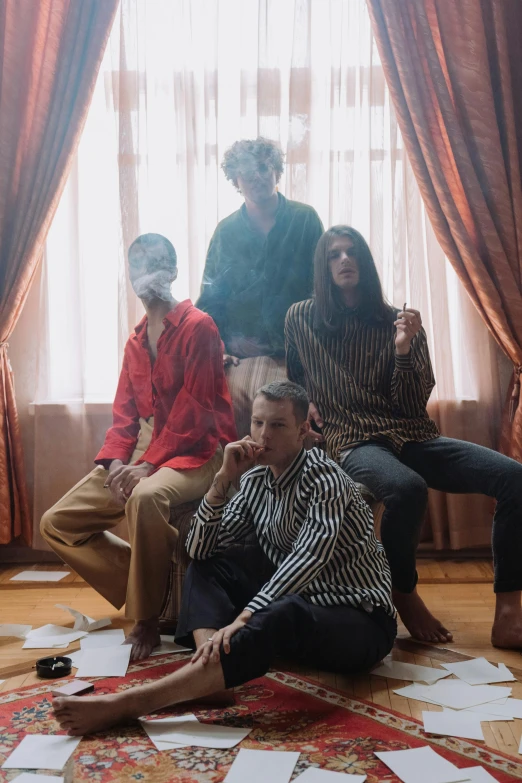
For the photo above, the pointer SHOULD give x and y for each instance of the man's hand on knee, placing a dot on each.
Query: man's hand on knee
(209, 650)
(123, 478)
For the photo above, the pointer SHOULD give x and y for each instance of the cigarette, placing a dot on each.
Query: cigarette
(405, 305)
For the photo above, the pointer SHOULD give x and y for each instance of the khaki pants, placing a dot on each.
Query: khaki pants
(135, 574)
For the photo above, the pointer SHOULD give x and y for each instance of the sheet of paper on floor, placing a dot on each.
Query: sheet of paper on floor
(168, 645)
(32, 777)
(75, 658)
(479, 775)
(479, 671)
(111, 638)
(156, 730)
(104, 662)
(39, 576)
(82, 622)
(397, 670)
(509, 709)
(458, 695)
(258, 766)
(316, 775)
(51, 635)
(14, 629)
(520, 746)
(452, 723)
(205, 735)
(422, 765)
(42, 752)
(413, 691)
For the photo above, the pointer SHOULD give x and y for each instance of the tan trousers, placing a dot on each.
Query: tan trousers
(135, 574)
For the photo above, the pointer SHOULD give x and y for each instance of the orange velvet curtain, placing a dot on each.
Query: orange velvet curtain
(50, 53)
(455, 76)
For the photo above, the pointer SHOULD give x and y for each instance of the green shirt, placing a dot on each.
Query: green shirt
(251, 279)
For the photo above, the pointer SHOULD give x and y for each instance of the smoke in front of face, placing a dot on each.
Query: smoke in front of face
(154, 285)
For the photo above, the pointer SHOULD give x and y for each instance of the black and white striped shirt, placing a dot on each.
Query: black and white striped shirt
(312, 524)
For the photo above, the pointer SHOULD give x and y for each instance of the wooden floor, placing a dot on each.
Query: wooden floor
(459, 593)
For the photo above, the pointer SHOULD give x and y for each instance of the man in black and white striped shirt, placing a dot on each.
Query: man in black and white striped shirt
(328, 602)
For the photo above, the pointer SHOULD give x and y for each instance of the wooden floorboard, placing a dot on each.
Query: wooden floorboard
(459, 593)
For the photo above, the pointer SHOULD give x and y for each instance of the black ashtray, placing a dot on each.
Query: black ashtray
(52, 668)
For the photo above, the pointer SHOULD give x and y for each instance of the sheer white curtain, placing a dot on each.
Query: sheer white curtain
(183, 79)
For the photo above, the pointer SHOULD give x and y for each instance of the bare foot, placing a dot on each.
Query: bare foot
(507, 627)
(144, 637)
(85, 715)
(418, 619)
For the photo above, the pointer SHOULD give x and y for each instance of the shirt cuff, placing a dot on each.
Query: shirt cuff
(259, 601)
(210, 514)
(404, 363)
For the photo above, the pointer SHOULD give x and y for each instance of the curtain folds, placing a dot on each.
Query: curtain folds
(455, 76)
(50, 52)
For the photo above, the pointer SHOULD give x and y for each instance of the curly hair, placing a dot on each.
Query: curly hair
(242, 152)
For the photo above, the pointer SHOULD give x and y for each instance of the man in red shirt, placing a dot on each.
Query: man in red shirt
(171, 416)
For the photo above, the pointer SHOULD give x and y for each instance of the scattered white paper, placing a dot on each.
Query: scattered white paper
(458, 694)
(157, 729)
(82, 622)
(168, 645)
(42, 752)
(75, 658)
(46, 643)
(51, 636)
(414, 691)
(453, 724)
(1, 681)
(205, 735)
(111, 638)
(483, 716)
(396, 670)
(30, 777)
(510, 709)
(479, 775)
(14, 629)
(258, 766)
(104, 662)
(479, 671)
(316, 775)
(39, 576)
(520, 746)
(422, 764)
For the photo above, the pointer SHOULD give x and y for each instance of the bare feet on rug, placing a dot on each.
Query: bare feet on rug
(418, 619)
(80, 715)
(507, 626)
(144, 637)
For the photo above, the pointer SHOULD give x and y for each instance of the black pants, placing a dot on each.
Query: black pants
(336, 638)
(450, 466)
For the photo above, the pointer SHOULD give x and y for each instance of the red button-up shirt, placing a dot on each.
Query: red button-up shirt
(185, 390)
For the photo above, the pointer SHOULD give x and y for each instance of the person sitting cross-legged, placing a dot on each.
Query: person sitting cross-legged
(328, 602)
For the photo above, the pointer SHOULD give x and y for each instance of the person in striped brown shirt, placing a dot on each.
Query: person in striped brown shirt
(367, 369)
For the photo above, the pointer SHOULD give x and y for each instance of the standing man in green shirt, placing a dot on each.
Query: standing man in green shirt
(260, 258)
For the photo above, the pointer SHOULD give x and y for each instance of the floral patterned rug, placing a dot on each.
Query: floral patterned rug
(287, 712)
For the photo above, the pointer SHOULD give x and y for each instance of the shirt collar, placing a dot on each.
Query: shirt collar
(281, 208)
(173, 317)
(280, 484)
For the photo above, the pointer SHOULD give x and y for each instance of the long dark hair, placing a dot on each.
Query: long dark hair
(328, 301)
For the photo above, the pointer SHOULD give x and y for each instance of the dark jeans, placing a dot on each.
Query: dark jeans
(334, 638)
(449, 466)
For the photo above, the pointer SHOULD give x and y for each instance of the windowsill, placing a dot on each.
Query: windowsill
(53, 407)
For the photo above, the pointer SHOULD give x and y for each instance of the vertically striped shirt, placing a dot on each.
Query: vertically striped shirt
(314, 527)
(361, 388)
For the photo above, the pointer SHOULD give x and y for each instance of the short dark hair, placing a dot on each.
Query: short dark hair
(328, 302)
(287, 390)
(146, 241)
(263, 149)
